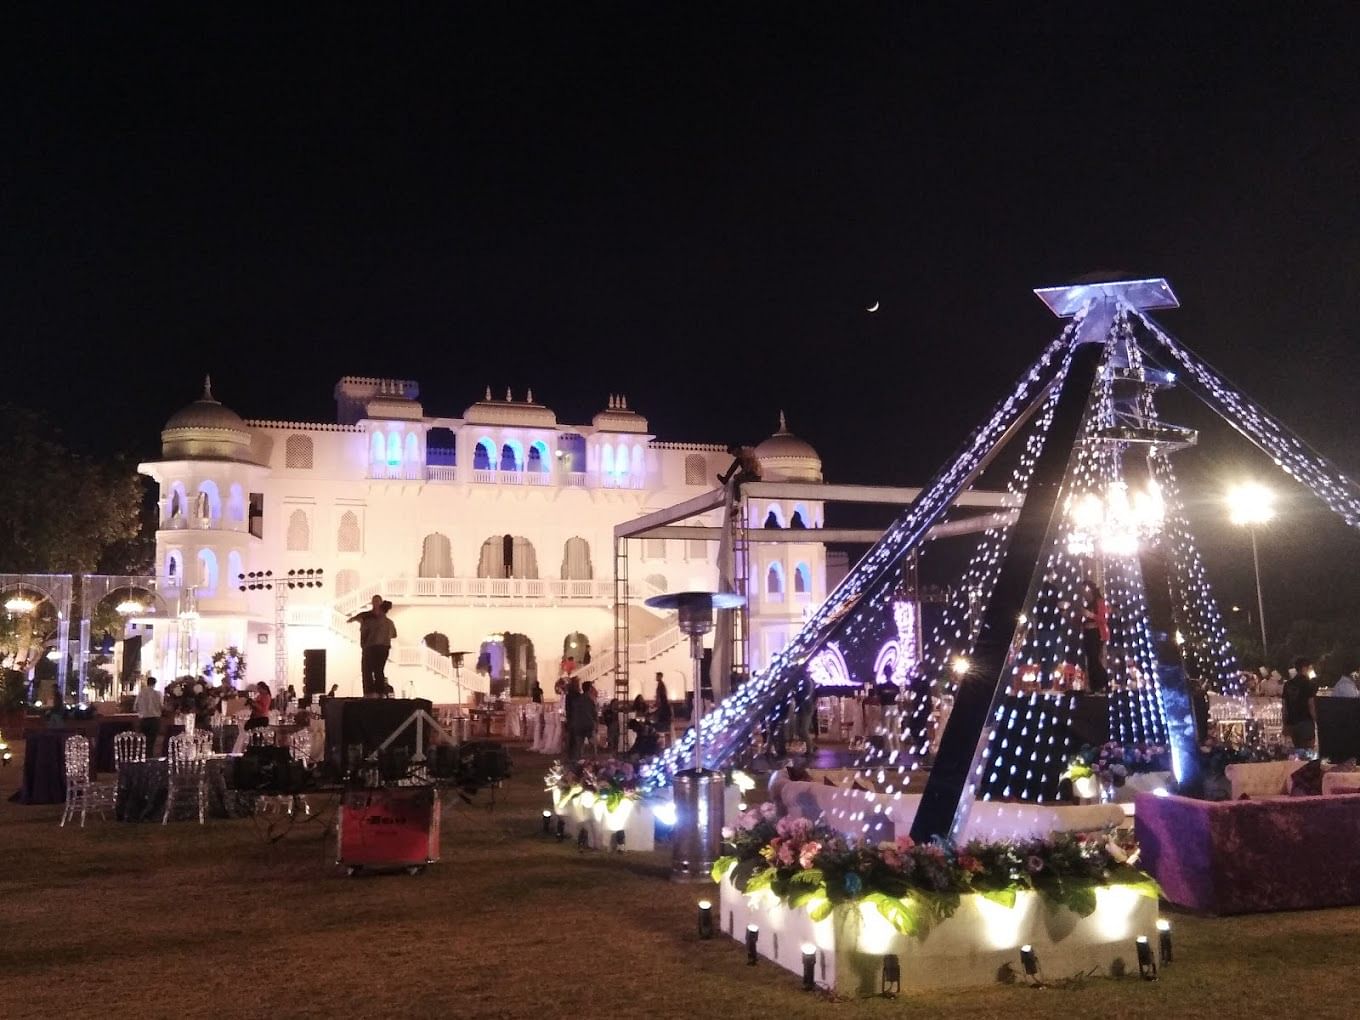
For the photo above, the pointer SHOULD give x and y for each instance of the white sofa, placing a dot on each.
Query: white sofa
(884, 816)
(1260, 778)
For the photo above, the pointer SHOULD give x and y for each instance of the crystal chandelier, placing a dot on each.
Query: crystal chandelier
(1114, 524)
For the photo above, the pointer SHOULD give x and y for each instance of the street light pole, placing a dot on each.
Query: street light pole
(1250, 505)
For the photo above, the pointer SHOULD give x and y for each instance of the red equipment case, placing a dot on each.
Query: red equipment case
(389, 827)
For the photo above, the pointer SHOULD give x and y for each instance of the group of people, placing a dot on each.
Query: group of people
(258, 702)
(583, 715)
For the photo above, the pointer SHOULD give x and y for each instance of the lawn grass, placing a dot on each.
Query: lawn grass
(148, 921)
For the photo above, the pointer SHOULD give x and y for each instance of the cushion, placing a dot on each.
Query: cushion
(1260, 778)
(1306, 781)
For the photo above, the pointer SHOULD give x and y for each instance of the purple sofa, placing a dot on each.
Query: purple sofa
(1251, 856)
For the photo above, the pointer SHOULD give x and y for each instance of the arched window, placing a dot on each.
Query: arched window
(174, 564)
(299, 531)
(576, 565)
(802, 579)
(771, 519)
(412, 449)
(774, 580)
(177, 500)
(234, 571)
(511, 457)
(801, 518)
(393, 449)
(507, 556)
(213, 502)
(436, 557)
(207, 571)
(657, 581)
(345, 582)
(236, 504)
(607, 461)
(538, 457)
(347, 538)
(696, 469)
(297, 452)
(484, 456)
(378, 449)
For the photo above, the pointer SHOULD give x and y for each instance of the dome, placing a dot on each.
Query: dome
(528, 413)
(205, 429)
(786, 458)
(618, 418)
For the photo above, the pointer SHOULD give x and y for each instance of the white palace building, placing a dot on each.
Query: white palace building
(492, 533)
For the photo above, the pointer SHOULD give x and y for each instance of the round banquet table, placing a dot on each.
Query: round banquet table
(142, 788)
(44, 780)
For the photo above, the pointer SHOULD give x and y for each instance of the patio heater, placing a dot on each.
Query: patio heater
(697, 839)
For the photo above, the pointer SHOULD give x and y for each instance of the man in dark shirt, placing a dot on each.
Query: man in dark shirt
(1300, 711)
(375, 644)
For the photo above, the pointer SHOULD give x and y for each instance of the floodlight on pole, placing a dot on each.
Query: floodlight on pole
(20, 605)
(1250, 505)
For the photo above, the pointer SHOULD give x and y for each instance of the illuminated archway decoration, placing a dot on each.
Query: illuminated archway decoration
(828, 668)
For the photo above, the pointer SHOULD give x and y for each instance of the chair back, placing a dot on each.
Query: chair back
(181, 748)
(128, 746)
(203, 743)
(77, 759)
(300, 746)
(261, 736)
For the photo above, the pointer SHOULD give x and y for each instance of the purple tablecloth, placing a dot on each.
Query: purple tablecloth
(45, 767)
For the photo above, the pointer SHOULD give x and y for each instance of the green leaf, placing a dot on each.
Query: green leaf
(759, 880)
(1006, 897)
(903, 915)
(812, 876)
(1080, 899)
(1147, 887)
(821, 910)
(808, 895)
(721, 867)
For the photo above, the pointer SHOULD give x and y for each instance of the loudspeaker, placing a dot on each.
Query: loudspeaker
(314, 671)
(355, 727)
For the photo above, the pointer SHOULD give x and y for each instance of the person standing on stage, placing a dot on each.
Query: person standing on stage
(1300, 706)
(1095, 632)
(371, 640)
(148, 708)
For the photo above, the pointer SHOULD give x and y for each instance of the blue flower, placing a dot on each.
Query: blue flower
(853, 884)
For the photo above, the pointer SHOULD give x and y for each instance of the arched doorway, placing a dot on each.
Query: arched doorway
(576, 565)
(575, 651)
(437, 642)
(509, 663)
(507, 556)
(436, 557)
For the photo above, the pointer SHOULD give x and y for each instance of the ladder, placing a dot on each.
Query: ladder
(741, 578)
(621, 651)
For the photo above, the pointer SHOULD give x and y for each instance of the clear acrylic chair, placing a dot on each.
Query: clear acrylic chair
(300, 746)
(181, 747)
(128, 746)
(187, 779)
(203, 743)
(82, 793)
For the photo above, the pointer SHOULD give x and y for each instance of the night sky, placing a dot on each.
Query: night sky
(692, 205)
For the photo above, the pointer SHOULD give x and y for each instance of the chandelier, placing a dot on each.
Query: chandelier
(129, 607)
(1117, 523)
(20, 605)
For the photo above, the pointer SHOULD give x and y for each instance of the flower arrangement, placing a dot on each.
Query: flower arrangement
(1112, 763)
(914, 885)
(189, 695)
(229, 666)
(607, 779)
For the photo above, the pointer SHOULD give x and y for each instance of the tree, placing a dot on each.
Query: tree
(63, 512)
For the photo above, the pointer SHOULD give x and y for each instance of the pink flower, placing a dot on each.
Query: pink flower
(970, 863)
(905, 843)
(784, 855)
(748, 819)
(809, 853)
(768, 811)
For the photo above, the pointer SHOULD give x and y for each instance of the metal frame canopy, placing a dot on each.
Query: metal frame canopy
(1065, 302)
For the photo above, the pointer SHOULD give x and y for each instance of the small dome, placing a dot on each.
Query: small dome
(530, 413)
(618, 418)
(205, 413)
(785, 457)
(205, 429)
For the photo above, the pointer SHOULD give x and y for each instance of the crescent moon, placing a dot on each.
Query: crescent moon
(873, 307)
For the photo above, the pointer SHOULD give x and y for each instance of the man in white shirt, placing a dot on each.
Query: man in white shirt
(148, 708)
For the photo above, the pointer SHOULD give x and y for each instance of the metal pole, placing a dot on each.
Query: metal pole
(696, 654)
(1260, 602)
